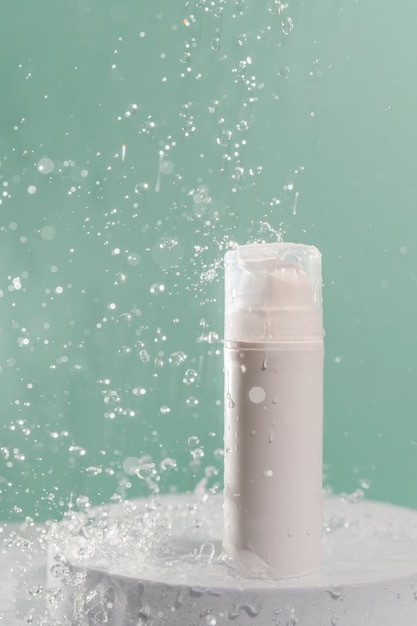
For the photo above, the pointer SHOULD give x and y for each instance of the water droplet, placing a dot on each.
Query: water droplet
(230, 402)
(249, 609)
(257, 395)
(335, 593)
(268, 473)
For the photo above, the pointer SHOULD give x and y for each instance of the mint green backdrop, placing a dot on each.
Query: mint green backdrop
(138, 140)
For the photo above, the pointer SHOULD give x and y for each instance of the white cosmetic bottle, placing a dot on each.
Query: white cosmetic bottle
(273, 408)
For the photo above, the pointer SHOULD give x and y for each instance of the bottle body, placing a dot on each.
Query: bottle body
(273, 455)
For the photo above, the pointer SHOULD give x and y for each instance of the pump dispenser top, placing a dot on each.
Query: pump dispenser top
(273, 293)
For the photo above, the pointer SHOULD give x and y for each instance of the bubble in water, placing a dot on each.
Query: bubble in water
(45, 166)
(83, 503)
(238, 172)
(168, 464)
(111, 397)
(130, 465)
(141, 187)
(59, 570)
(167, 252)
(224, 137)
(192, 401)
(193, 441)
(94, 470)
(197, 453)
(54, 595)
(146, 468)
(31, 189)
(48, 232)
(213, 106)
(190, 377)
(120, 279)
(176, 358)
(165, 410)
(287, 25)
(133, 258)
(242, 39)
(166, 167)
(36, 590)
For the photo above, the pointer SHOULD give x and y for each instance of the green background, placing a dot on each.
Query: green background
(138, 140)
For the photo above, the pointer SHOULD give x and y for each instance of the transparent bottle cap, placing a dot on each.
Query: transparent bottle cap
(273, 293)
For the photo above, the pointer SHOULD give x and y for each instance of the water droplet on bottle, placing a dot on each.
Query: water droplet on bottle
(257, 395)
